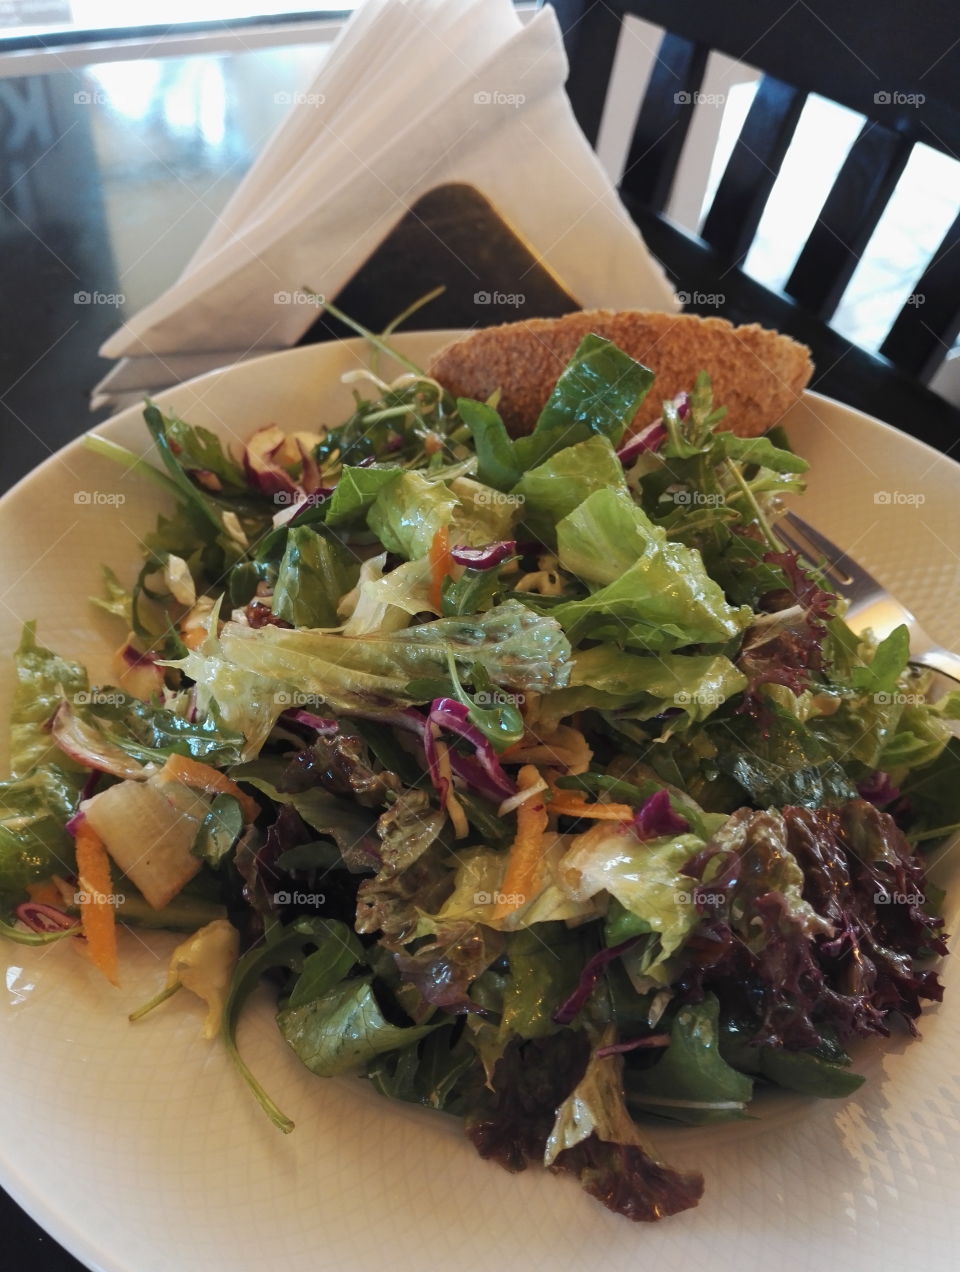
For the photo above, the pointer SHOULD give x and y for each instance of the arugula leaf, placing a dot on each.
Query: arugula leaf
(344, 1029)
(326, 966)
(886, 666)
(199, 450)
(692, 1082)
(314, 574)
(497, 459)
(284, 947)
(219, 830)
(760, 451)
(356, 491)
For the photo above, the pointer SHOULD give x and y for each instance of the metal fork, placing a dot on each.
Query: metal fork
(871, 605)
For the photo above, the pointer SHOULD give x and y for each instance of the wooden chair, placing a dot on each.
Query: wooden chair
(899, 66)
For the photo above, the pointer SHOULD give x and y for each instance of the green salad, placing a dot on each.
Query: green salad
(545, 784)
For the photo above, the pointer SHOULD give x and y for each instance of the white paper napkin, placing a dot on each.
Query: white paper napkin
(414, 94)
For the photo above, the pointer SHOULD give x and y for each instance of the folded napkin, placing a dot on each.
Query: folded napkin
(413, 94)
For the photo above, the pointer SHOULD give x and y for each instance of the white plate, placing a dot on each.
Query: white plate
(138, 1147)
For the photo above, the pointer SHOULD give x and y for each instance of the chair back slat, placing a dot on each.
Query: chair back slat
(663, 120)
(929, 323)
(849, 216)
(591, 32)
(754, 165)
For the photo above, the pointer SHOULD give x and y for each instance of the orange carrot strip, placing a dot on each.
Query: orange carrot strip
(441, 564)
(573, 804)
(98, 917)
(526, 852)
(183, 768)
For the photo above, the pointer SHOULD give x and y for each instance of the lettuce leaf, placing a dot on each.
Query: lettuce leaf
(314, 574)
(652, 593)
(33, 842)
(600, 390)
(518, 648)
(44, 679)
(407, 514)
(356, 492)
(554, 489)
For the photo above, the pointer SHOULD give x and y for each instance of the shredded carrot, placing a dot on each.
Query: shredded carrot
(573, 804)
(441, 564)
(183, 768)
(45, 893)
(97, 914)
(526, 852)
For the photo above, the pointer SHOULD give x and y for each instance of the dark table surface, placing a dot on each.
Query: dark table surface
(109, 178)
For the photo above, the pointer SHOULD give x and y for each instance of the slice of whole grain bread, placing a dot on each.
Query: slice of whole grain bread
(757, 374)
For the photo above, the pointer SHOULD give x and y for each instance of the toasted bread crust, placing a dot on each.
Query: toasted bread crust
(757, 374)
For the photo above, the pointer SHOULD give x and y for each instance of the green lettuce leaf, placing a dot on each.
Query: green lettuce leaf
(652, 593)
(43, 680)
(116, 600)
(33, 842)
(518, 648)
(408, 513)
(356, 492)
(551, 491)
(600, 390)
(314, 574)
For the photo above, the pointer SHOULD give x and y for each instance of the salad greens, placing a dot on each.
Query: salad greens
(547, 787)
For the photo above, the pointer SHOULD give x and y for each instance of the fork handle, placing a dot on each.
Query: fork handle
(940, 660)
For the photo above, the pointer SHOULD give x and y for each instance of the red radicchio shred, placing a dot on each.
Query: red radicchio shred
(39, 917)
(648, 439)
(484, 558)
(87, 792)
(617, 1048)
(300, 504)
(449, 714)
(878, 789)
(327, 727)
(588, 979)
(656, 818)
(137, 658)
